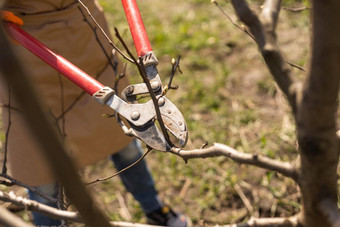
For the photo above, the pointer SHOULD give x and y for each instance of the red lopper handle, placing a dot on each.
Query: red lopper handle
(76, 75)
(137, 28)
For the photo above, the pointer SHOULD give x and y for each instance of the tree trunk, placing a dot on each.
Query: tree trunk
(316, 118)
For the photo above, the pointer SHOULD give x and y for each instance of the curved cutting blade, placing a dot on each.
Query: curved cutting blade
(174, 121)
(150, 135)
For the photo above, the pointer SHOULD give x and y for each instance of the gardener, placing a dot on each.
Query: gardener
(63, 26)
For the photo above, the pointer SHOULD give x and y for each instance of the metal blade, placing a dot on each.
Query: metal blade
(150, 135)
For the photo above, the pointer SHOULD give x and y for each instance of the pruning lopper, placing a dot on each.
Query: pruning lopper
(140, 116)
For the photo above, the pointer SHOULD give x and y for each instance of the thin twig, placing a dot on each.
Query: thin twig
(60, 201)
(81, 94)
(94, 30)
(62, 106)
(295, 65)
(242, 28)
(104, 33)
(4, 166)
(32, 189)
(244, 199)
(11, 107)
(296, 10)
(119, 77)
(267, 222)
(109, 62)
(119, 172)
(175, 67)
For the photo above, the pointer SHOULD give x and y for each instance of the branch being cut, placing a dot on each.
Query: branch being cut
(263, 30)
(218, 149)
(142, 72)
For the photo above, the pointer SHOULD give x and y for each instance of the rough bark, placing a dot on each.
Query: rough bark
(316, 122)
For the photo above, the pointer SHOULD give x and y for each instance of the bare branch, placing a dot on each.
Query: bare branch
(296, 10)
(13, 181)
(104, 33)
(267, 222)
(218, 149)
(126, 168)
(4, 166)
(7, 219)
(249, 18)
(242, 28)
(264, 32)
(39, 207)
(51, 211)
(295, 65)
(244, 199)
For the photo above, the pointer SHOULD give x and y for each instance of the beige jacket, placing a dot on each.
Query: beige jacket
(89, 137)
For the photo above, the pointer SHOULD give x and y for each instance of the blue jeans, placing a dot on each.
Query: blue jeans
(137, 180)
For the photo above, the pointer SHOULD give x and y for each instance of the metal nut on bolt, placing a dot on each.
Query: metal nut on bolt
(135, 115)
(129, 90)
(161, 101)
(155, 85)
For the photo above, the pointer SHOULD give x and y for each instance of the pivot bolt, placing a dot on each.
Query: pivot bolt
(161, 101)
(155, 85)
(135, 115)
(129, 90)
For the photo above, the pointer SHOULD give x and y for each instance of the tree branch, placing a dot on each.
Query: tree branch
(39, 207)
(7, 219)
(13, 181)
(104, 33)
(123, 170)
(52, 212)
(296, 10)
(267, 222)
(218, 149)
(263, 30)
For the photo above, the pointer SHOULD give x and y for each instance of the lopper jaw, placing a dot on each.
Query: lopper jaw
(142, 116)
